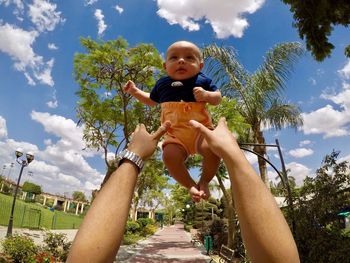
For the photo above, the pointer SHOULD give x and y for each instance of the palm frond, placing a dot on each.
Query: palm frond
(222, 64)
(278, 65)
(280, 115)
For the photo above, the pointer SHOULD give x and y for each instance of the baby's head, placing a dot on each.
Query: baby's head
(183, 60)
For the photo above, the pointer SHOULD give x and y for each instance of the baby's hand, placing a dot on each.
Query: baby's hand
(200, 94)
(130, 88)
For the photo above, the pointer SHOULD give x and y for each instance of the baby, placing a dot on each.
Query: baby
(183, 95)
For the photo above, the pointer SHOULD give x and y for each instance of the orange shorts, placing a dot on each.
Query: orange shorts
(180, 132)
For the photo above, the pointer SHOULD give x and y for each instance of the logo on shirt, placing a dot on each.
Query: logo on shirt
(177, 84)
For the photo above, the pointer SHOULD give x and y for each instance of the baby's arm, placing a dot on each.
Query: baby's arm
(140, 95)
(202, 95)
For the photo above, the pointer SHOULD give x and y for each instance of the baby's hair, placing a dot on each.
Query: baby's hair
(198, 50)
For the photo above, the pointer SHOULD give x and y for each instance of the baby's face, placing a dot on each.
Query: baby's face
(183, 60)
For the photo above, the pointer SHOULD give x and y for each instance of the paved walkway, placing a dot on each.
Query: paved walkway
(169, 245)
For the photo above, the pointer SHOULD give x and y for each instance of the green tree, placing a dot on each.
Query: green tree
(320, 236)
(315, 21)
(259, 94)
(149, 186)
(79, 196)
(31, 188)
(107, 114)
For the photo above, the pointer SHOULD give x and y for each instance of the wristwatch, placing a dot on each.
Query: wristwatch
(126, 154)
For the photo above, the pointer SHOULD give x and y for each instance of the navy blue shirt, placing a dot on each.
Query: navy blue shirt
(167, 89)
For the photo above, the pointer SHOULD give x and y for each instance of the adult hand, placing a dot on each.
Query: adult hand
(130, 87)
(143, 143)
(220, 140)
(200, 94)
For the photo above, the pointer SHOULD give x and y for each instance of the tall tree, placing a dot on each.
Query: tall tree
(79, 196)
(320, 235)
(31, 188)
(107, 114)
(259, 94)
(315, 21)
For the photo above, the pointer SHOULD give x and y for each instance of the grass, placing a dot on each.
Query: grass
(31, 215)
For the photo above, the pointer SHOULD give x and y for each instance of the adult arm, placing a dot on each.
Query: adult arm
(140, 95)
(265, 231)
(102, 230)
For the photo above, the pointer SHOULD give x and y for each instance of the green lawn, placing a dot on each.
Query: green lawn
(30, 215)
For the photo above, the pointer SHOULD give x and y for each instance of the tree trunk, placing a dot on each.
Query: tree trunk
(262, 151)
(230, 214)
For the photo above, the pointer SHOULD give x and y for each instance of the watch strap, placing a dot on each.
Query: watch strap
(131, 156)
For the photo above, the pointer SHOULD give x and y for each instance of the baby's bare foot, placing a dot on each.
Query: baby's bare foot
(195, 194)
(204, 190)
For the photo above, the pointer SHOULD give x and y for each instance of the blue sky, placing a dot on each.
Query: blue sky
(39, 38)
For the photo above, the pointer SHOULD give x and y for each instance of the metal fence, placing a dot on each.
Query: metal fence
(27, 215)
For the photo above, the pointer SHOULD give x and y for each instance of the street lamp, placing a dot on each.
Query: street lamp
(23, 163)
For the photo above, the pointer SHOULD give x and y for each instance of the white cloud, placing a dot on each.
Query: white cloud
(327, 120)
(61, 166)
(66, 129)
(47, 141)
(119, 9)
(17, 3)
(305, 142)
(101, 24)
(17, 43)
(345, 72)
(345, 158)
(90, 186)
(53, 104)
(44, 16)
(45, 74)
(312, 81)
(298, 171)
(226, 17)
(3, 128)
(90, 2)
(68, 179)
(19, 7)
(251, 157)
(301, 152)
(52, 46)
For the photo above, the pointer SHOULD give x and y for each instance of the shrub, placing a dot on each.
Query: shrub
(149, 230)
(6, 189)
(57, 245)
(20, 248)
(130, 239)
(145, 221)
(4, 258)
(132, 227)
(188, 227)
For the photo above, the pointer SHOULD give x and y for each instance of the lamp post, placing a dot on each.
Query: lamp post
(23, 163)
(187, 211)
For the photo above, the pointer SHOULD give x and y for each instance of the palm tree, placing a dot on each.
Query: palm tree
(259, 95)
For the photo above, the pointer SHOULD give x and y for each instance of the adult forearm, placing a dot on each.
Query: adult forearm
(265, 232)
(101, 233)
